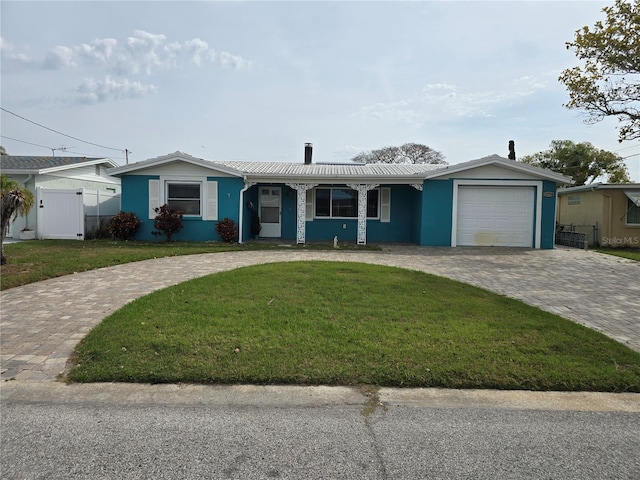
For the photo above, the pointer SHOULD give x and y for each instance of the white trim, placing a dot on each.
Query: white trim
(384, 208)
(503, 162)
(246, 187)
(211, 204)
(165, 179)
(154, 197)
(174, 157)
(348, 187)
(310, 203)
(177, 181)
(538, 185)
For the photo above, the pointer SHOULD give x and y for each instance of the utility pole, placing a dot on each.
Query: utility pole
(126, 155)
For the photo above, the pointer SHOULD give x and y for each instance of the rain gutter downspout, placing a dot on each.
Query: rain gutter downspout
(246, 187)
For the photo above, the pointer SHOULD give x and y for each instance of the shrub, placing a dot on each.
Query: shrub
(124, 225)
(167, 222)
(227, 230)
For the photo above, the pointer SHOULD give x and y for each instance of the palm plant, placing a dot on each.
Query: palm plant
(14, 200)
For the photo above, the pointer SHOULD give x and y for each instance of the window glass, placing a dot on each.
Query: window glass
(323, 202)
(633, 213)
(184, 197)
(372, 203)
(344, 202)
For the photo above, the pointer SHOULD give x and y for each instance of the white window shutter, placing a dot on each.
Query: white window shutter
(309, 207)
(154, 197)
(211, 212)
(385, 205)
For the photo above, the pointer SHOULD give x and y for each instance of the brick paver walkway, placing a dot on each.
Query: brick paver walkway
(41, 323)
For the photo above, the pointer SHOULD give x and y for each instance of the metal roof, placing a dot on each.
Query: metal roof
(326, 173)
(328, 169)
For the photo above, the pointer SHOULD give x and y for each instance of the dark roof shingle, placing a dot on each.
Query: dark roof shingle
(11, 162)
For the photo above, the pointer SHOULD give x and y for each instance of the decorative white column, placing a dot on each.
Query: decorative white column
(301, 208)
(362, 209)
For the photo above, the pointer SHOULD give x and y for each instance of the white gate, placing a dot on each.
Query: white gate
(60, 214)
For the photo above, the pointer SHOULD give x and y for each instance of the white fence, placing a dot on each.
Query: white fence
(73, 214)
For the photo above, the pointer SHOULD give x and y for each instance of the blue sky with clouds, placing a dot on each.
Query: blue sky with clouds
(256, 80)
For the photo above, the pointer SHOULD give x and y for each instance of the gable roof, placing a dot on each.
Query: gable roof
(506, 163)
(288, 171)
(600, 186)
(40, 165)
(172, 158)
(328, 172)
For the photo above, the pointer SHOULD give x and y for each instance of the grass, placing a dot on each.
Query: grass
(348, 324)
(38, 260)
(630, 253)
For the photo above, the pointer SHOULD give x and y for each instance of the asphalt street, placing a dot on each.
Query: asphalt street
(333, 434)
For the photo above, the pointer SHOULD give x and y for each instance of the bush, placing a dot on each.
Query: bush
(124, 225)
(227, 230)
(167, 222)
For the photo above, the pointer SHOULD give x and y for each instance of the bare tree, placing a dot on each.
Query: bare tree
(409, 153)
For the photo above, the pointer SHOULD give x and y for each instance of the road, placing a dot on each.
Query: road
(188, 432)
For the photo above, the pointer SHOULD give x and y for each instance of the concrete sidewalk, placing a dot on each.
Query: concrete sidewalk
(41, 323)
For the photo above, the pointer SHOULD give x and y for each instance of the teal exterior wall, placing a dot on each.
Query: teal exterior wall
(405, 200)
(419, 217)
(548, 222)
(437, 209)
(135, 198)
(250, 196)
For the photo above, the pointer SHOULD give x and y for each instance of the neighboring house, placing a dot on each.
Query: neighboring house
(609, 213)
(71, 193)
(491, 201)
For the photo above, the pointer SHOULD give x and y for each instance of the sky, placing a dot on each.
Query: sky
(255, 81)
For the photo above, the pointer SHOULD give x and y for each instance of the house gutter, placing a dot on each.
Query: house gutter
(240, 216)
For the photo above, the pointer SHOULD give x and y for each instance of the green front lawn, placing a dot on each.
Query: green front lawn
(348, 324)
(630, 253)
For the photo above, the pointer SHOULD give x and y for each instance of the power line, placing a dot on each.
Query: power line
(28, 143)
(64, 149)
(625, 148)
(59, 133)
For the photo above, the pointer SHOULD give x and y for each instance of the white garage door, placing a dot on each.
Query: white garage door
(495, 216)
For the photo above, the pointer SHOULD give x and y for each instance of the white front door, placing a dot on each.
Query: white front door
(270, 211)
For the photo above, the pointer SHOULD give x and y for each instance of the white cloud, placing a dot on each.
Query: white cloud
(445, 101)
(59, 57)
(92, 91)
(141, 53)
(225, 59)
(11, 57)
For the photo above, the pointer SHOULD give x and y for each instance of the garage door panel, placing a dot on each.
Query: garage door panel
(495, 216)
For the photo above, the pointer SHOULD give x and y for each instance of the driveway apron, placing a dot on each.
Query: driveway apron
(41, 323)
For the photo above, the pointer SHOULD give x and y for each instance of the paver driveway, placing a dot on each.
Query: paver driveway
(41, 323)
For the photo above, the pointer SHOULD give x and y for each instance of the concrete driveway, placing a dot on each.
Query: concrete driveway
(41, 323)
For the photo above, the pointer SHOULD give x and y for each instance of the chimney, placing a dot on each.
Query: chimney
(308, 149)
(512, 150)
